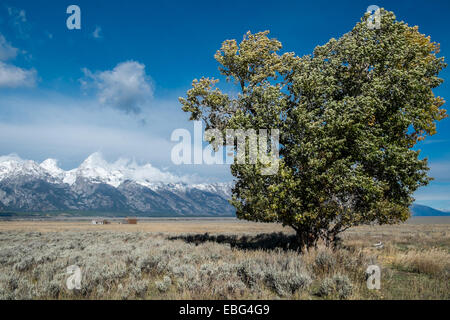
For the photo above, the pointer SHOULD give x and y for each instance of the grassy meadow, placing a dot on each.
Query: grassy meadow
(219, 259)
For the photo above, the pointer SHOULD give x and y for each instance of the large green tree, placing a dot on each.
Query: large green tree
(349, 116)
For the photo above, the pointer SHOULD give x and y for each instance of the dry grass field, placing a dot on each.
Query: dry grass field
(219, 259)
(212, 226)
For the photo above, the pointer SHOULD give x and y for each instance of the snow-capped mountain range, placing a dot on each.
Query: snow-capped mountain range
(122, 187)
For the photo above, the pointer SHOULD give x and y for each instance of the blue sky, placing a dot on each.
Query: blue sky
(61, 98)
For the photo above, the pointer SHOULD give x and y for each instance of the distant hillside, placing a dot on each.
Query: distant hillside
(97, 187)
(419, 210)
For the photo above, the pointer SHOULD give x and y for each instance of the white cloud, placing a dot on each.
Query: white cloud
(18, 14)
(42, 124)
(431, 196)
(126, 87)
(123, 169)
(440, 170)
(14, 77)
(97, 34)
(18, 19)
(7, 51)
(10, 75)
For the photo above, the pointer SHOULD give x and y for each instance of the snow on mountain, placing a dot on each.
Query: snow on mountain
(94, 168)
(223, 189)
(13, 165)
(99, 185)
(51, 167)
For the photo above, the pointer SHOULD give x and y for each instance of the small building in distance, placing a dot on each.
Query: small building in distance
(100, 222)
(130, 221)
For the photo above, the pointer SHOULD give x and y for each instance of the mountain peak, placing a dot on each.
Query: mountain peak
(148, 190)
(51, 165)
(97, 170)
(94, 160)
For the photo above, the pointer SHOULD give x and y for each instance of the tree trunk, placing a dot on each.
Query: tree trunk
(332, 240)
(306, 239)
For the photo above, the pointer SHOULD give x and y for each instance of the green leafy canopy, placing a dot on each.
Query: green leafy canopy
(349, 116)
